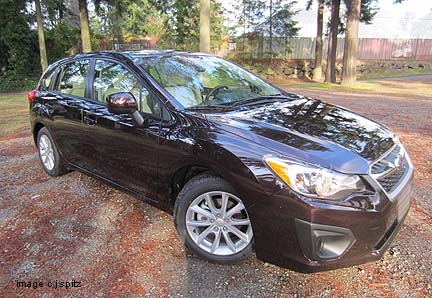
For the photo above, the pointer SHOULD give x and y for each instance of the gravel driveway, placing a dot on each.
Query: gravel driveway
(74, 228)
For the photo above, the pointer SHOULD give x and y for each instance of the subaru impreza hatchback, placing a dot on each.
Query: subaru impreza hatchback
(242, 165)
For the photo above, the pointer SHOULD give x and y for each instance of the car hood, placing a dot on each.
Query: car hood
(312, 131)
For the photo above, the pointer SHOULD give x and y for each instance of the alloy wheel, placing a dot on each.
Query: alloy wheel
(46, 152)
(218, 223)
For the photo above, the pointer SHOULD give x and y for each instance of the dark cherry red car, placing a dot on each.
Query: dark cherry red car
(242, 165)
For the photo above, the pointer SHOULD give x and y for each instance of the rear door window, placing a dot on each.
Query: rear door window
(73, 78)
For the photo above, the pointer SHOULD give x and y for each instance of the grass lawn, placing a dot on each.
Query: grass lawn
(420, 86)
(369, 86)
(405, 73)
(14, 113)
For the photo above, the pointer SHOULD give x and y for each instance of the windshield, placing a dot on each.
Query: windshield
(196, 81)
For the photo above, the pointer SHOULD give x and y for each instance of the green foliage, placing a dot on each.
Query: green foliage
(264, 25)
(174, 22)
(254, 17)
(18, 47)
(183, 23)
(218, 29)
(283, 23)
(107, 20)
(18, 83)
(55, 12)
(142, 18)
(62, 40)
(249, 14)
(369, 8)
(123, 18)
(14, 35)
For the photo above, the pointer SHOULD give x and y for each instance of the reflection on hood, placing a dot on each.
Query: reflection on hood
(311, 125)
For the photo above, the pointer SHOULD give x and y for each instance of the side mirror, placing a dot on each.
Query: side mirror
(121, 103)
(124, 103)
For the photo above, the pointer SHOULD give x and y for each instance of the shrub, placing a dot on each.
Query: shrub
(16, 83)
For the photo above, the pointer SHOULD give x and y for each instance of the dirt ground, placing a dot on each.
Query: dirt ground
(74, 228)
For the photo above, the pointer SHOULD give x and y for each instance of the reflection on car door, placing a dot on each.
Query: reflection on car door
(64, 105)
(121, 152)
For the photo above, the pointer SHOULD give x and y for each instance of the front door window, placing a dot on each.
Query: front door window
(111, 77)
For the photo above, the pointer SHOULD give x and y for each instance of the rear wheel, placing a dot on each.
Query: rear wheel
(212, 220)
(49, 156)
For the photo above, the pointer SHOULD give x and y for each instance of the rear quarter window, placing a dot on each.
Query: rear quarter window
(47, 81)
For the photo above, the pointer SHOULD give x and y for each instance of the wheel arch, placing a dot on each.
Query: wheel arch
(182, 176)
(242, 173)
(36, 128)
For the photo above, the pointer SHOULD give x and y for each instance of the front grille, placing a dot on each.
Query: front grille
(390, 181)
(390, 170)
(382, 164)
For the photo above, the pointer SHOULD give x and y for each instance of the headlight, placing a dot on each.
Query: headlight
(313, 181)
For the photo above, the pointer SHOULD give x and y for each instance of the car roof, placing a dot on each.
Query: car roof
(131, 55)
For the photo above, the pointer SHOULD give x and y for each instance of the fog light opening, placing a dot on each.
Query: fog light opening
(323, 242)
(330, 244)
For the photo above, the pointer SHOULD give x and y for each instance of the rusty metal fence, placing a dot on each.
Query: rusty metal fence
(304, 48)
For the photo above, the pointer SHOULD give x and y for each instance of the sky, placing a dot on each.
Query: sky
(410, 19)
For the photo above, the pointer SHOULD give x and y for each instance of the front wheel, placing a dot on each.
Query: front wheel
(212, 220)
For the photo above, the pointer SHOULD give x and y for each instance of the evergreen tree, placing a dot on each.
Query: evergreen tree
(351, 43)
(182, 23)
(141, 18)
(14, 38)
(317, 71)
(281, 22)
(330, 76)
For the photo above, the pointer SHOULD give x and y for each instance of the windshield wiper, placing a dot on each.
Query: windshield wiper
(236, 103)
(257, 100)
(208, 107)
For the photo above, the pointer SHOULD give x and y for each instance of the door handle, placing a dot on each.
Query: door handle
(90, 119)
(49, 107)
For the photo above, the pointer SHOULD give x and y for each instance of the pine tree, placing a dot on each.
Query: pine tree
(332, 43)
(317, 71)
(351, 43)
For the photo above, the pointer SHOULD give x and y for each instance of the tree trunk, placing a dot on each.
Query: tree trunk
(332, 44)
(41, 37)
(271, 30)
(180, 39)
(317, 71)
(84, 24)
(205, 26)
(244, 31)
(351, 43)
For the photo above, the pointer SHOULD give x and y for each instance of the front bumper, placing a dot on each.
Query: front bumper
(311, 237)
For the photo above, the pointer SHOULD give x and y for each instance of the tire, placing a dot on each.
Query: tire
(52, 163)
(200, 225)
